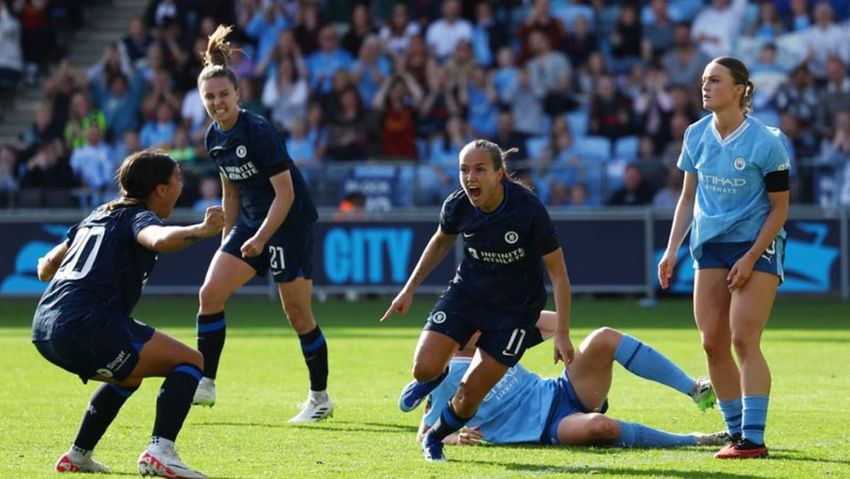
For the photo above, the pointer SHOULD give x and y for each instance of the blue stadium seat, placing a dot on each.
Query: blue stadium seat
(535, 145)
(593, 149)
(578, 120)
(627, 147)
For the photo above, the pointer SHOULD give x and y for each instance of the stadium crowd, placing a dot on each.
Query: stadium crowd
(381, 95)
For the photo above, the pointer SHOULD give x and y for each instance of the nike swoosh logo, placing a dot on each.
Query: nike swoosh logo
(468, 235)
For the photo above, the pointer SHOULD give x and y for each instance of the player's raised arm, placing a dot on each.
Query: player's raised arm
(438, 246)
(168, 239)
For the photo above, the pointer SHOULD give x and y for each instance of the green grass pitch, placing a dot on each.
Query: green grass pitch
(262, 378)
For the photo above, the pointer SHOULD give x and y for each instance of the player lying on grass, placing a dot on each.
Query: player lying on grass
(568, 410)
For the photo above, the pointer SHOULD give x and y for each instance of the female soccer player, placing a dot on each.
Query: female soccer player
(569, 410)
(498, 288)
(269, 218)
(737, 170)
(83, 323)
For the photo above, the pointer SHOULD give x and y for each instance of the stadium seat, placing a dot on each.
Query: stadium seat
(30, 198)
(626, 148)
(535, 145)
(593, 149)
(578, 121)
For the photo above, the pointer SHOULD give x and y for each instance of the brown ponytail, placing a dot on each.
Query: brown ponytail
(217, 57)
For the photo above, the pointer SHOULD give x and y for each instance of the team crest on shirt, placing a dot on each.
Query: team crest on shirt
(511, 237)
(438, 317)
(739, 164)
(241, 151)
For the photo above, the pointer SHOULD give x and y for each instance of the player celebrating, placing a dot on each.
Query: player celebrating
(498, 288)
(569, 410)
(737, 170)
(269, 218)
(83, 323)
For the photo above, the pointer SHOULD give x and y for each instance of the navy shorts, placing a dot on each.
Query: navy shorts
(564, 403)
(505, 335)
(724, 256)
(111, 351)
(288, 254)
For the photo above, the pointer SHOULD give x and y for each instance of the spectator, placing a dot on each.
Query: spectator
(134, 45)
(611, 112)
(161, 12)
(370, 68)
(120, 105)
(550, 75)
(654, 105)
(835, 96)
(478, 97)
(308, 26)
(684, 63)
(182, 150)
(835, 156)
(506, 137)
(348, 132)
(634, 192)
(159, 131)
(8, 178)
(11, 57)
(160, 92)
(539, 18)
(317, 131)
(351, 208)
(439, 104)
(799, 18)
(626, 39)
(799, 97)
(824, 40)
(715, 27)
(328, 59)
(580, 42)
(359, 28)
(767, 26)
(396, 103)
(41, 130)
(285, 95)
(488, 34)
(81, 116)
(38, 37)
(657, 33)
(48, 168)
(93, 167)
(129, 144)
(444, 34)
(526, 107)
(679, 122)
(589, 76)
(579, 197)
(265, 26)
(397, 32)
(249, 98)
(210, 194)
(666, 198)
(286, 49)
(418, 60)
(506, 77)
(460, 65)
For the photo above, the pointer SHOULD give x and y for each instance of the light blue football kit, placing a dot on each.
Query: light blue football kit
(731, 198)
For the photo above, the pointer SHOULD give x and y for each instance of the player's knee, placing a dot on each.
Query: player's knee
(424, 372)
(602, 429)
(744, 344)
(210, 297)
(604, 338)
(715, 347)
(197, 359)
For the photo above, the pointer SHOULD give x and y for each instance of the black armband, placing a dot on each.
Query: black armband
(777, 181)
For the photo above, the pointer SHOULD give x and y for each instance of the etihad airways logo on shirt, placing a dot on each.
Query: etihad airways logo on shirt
(722, 184)
(240, 172)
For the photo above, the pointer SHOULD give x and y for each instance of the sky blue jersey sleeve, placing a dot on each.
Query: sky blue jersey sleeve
(686, 160)
(775, 157)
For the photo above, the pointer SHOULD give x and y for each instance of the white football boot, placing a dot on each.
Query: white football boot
(317, 407)
(205, 394)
